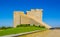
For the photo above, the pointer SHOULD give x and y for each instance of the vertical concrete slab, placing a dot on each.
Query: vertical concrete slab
(17, 17)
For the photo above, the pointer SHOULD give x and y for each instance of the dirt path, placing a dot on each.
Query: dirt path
(47, 33)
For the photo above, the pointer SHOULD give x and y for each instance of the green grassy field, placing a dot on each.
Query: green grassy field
(19, 30)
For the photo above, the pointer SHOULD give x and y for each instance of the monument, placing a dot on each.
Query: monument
(34, 16)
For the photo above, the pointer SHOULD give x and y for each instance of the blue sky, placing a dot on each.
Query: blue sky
(51, 10)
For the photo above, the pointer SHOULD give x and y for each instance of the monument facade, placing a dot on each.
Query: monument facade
(34, 16)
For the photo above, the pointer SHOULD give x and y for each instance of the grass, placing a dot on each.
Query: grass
(19, 30)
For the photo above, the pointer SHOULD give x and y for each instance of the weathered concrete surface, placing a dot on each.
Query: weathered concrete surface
(48, 33)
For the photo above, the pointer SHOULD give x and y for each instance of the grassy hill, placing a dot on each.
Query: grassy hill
(19, 30)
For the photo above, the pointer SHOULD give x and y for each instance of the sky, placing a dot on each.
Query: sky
(51, 10)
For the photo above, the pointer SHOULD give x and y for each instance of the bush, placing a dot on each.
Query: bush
(3, 27)
(23, 25)
(9, 27)
(39, 26)
(0, 27)
(18, 25)
(26, 25)
(33, 24)
(42, 26)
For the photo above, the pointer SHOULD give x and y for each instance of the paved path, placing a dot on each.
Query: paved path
(47, 33)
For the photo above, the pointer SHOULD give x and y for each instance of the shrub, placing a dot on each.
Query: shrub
(0, 27)
(26, 25)
(39, 26)
(9, 27)
(3, 27)
(33, 24)
(23, 25)
(42, 26)
(18, 25)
